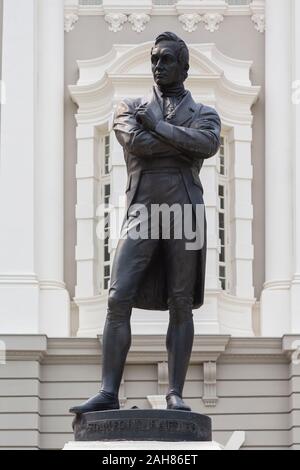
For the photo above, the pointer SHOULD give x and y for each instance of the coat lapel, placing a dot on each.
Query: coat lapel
(184, 111)
(154, 101)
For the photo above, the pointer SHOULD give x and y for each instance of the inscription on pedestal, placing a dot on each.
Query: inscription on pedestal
(163, 425)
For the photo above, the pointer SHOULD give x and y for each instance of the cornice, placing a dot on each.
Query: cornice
(73, 351)
(151, 349)
(24, 347)
(191, 15)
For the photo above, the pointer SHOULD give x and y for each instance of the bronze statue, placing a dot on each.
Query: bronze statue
(165, 138)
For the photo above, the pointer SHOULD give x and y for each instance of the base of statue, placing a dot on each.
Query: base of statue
(142, 425)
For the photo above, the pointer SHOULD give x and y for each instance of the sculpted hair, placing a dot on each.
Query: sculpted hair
(183, 52)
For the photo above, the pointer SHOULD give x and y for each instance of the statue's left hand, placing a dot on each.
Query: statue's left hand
(147, 118)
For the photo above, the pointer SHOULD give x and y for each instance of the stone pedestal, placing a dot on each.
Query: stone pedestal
(135, 429)
(142, 425)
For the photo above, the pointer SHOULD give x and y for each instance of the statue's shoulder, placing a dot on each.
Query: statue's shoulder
(207, 111)
(128, 105)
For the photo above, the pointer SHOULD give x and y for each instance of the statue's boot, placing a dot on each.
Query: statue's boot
(175, 402)
(116, 343)
(180, 338)
(100, 402)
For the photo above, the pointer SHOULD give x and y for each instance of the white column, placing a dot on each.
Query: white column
(206, 318)
(295, 287)
(54, 298)
(19, 291)
(209, 178)
(87, 248)
(240, 181)
(87, 175)
(275, 300)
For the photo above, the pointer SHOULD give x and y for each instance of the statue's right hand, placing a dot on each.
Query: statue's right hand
(140, 108)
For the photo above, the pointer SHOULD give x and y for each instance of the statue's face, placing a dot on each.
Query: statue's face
(165, 66)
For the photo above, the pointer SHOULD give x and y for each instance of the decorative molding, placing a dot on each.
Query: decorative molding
(177, 9)
(152, 348)
(190, 21)
(24, 347)
(210, 384)
(130, 62)
(212, 21)
(212, 14)
(50, 284)
(115, 21)
(19, 279)
(145, 348)
(138, 21)
(291, 346)
(73, 351)
(259, 22)
(278, 284)
(257, 8)
(70, 21)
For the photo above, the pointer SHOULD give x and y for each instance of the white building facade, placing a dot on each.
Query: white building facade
(64, 67)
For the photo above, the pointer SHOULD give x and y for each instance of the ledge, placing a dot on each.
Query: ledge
(157, 10)
(150, 349)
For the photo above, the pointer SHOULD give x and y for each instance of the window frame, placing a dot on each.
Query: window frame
(105, 195)
(224, 209)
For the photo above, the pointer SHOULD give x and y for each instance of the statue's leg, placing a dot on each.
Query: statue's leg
(182, 270)
(115, 344)
(179, 343)
(131, 259)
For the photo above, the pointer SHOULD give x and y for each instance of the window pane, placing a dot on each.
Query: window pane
(106, 192)
(221, 214)
(106, 253)
(106, 154)
(221, 219)
(222, 271)
(222, 255)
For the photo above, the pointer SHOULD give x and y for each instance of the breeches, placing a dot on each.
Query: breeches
(143, 232)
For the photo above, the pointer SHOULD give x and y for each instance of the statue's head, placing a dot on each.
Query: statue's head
(169, 59)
